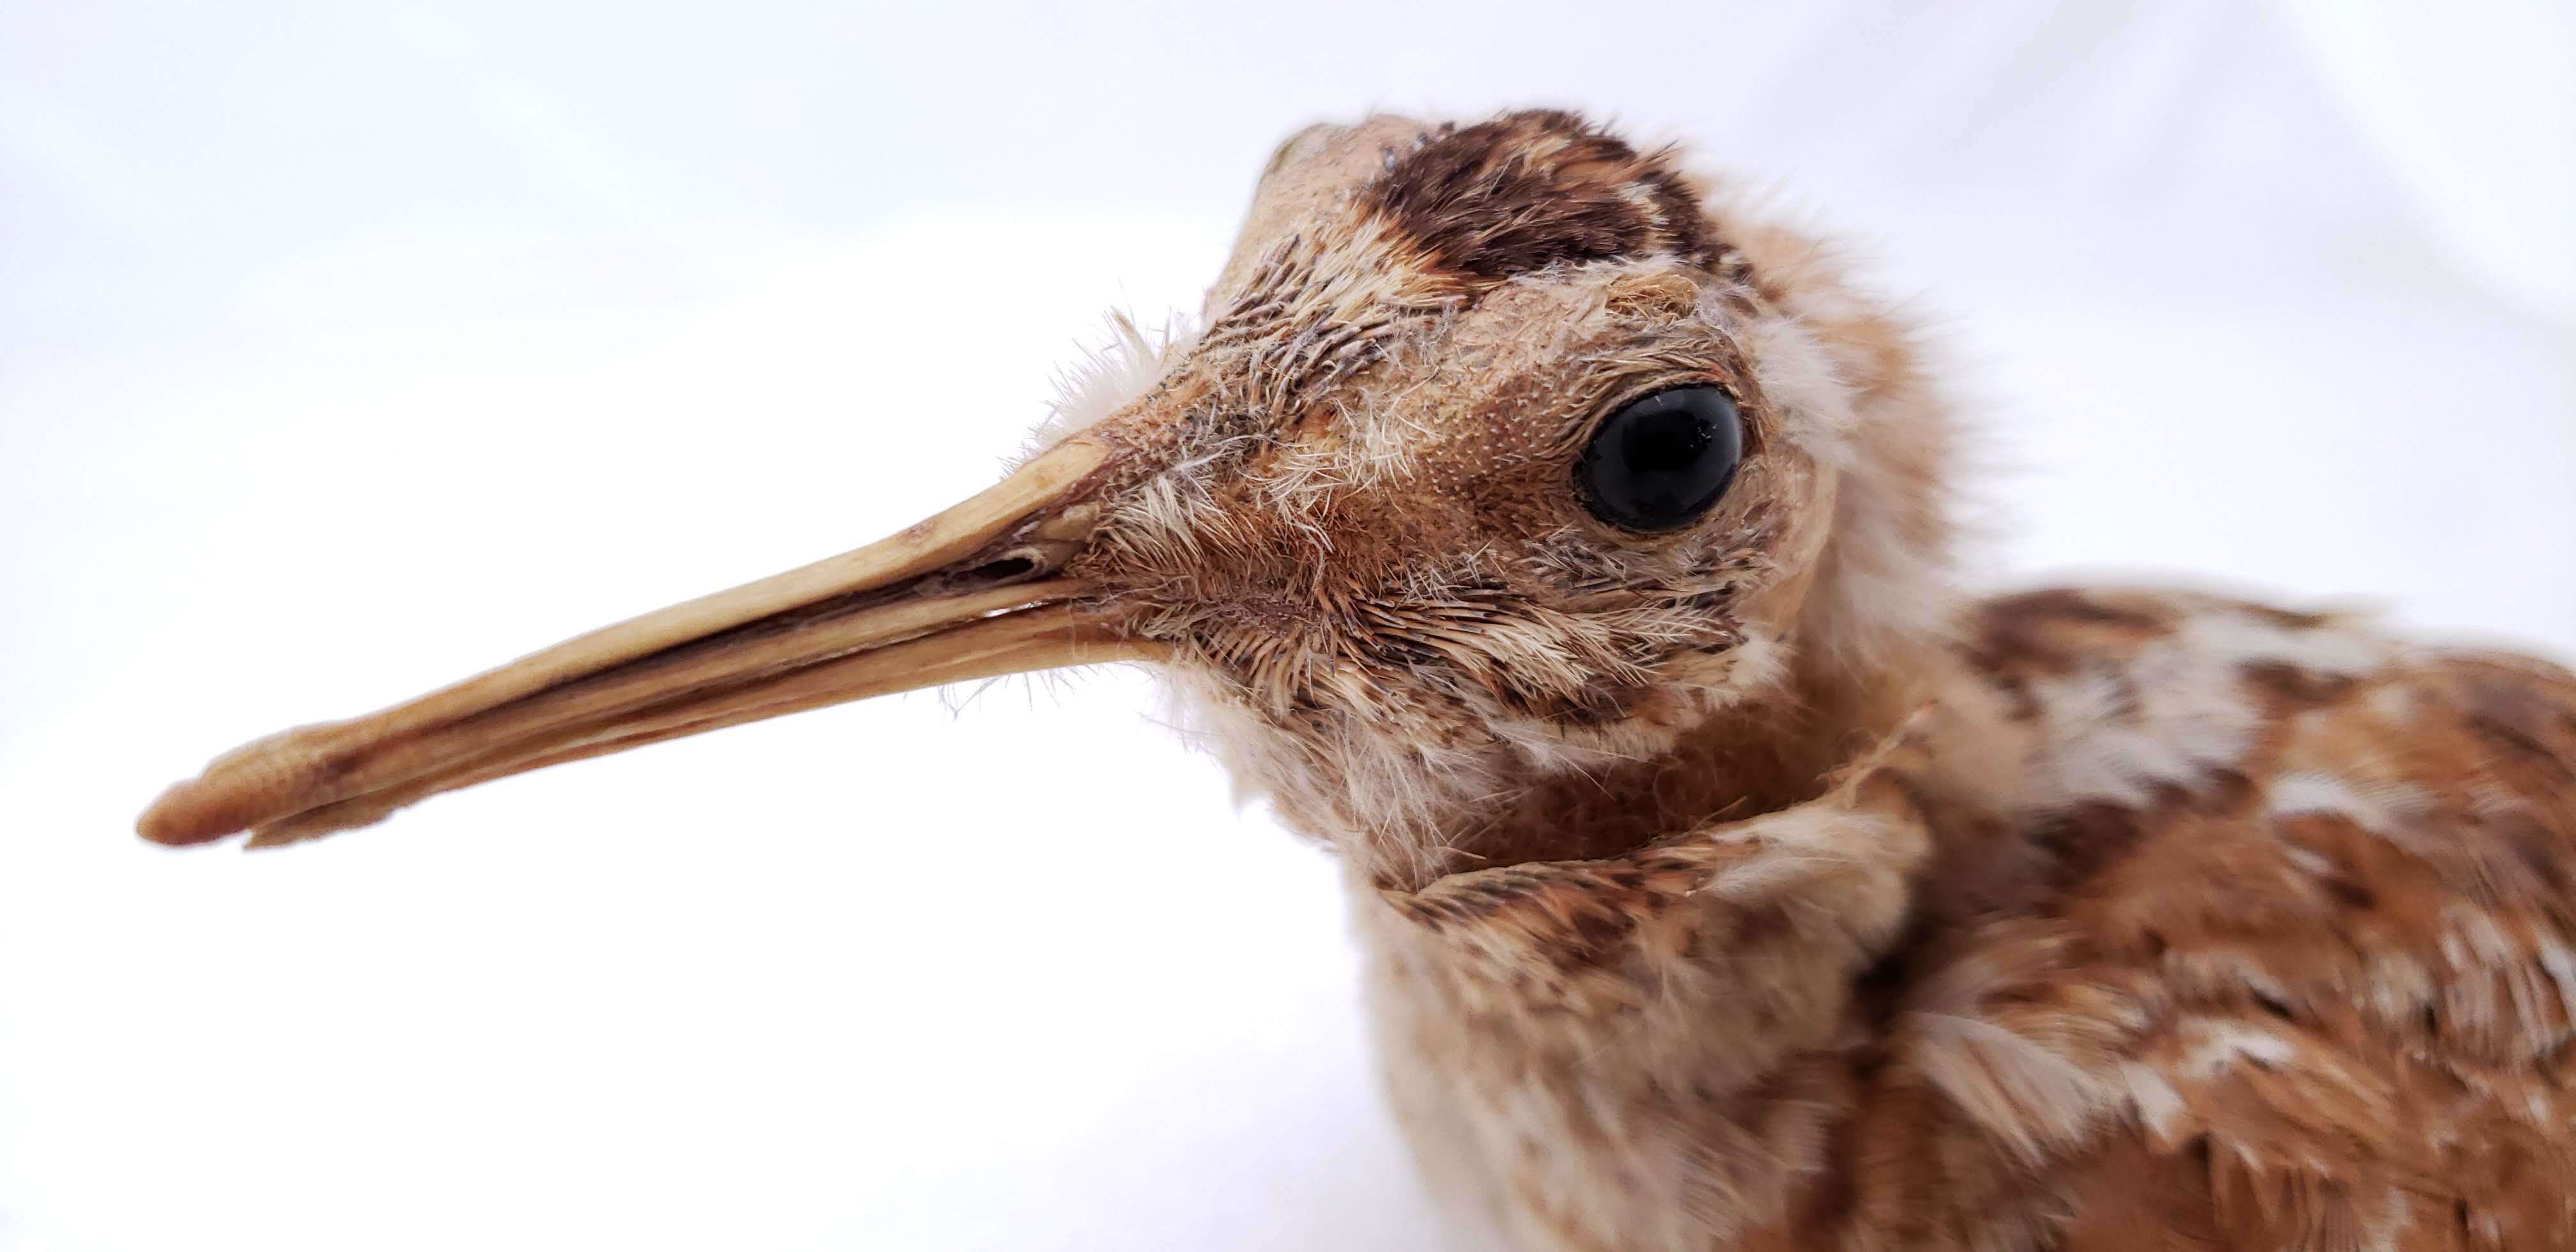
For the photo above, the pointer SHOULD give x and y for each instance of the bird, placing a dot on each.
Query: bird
(1573, 546)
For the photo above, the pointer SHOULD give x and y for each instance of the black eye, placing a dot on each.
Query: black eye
(1663, 460)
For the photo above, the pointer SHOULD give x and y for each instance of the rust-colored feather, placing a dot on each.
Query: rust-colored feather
(2315, 992)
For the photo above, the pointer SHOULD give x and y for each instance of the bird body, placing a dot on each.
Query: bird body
(1568, 545)
(2172, 922)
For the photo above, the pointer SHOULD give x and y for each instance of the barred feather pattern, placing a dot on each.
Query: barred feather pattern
(2272, 952)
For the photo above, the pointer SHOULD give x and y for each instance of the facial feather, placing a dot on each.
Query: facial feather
(1364, 539)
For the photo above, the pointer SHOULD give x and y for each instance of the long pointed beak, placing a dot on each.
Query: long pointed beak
(973, 592)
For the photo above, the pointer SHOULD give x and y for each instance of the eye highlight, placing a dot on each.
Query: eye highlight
(1661, 461)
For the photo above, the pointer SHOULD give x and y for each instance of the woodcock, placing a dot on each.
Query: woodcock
(1569, 547)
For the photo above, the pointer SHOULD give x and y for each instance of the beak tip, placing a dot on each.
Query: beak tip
(183, 816)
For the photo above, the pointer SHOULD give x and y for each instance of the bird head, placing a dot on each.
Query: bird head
(1512, 498)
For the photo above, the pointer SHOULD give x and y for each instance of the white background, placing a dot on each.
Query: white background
(345, 349)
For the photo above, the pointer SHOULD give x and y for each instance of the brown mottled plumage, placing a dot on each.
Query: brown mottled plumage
(1739, 886)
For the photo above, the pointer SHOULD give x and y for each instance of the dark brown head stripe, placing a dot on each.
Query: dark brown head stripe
(1529, 190)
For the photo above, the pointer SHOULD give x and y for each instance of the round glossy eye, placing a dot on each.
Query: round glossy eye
(1661, 461)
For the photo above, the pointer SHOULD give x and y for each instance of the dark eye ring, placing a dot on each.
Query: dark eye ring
(1661, 461)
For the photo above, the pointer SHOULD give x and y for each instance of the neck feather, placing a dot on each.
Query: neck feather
(1405, 818)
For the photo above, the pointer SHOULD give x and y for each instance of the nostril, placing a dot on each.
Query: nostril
(1007, 568)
